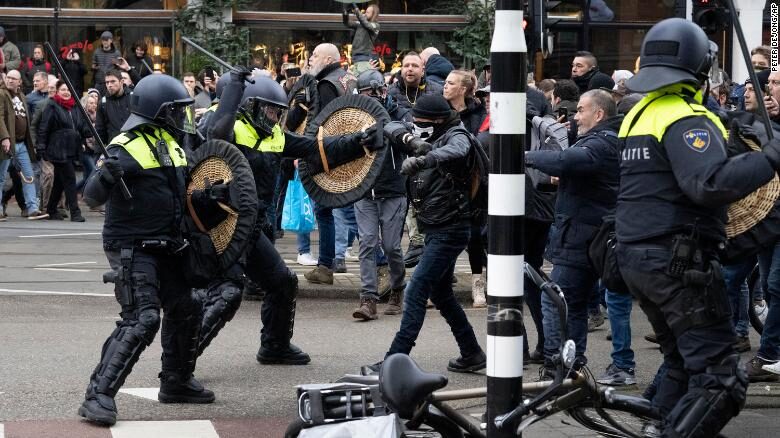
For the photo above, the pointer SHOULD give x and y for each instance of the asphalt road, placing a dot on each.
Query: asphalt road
(55, 314)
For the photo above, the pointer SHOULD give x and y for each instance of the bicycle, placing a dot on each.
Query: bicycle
(407, 392)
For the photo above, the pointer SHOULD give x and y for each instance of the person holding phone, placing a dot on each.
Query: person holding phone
(366, 32)
(75, 69)
(106, 57)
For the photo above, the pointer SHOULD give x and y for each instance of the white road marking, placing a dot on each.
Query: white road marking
(67, 264)
(2, 431)
(52, 292)
(164, 429)
(149, 393)
(63, 269)
(61, 235)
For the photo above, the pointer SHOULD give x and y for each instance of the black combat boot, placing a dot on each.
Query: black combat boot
(273, 353)
(175, 388)
(99, 408)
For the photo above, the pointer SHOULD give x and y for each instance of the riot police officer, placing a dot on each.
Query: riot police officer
(676, 181)
(143, 242)
(258, 134)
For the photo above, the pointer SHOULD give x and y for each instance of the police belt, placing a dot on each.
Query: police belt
(154, 246)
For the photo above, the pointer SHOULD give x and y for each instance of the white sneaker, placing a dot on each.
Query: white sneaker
(772, 368)
(306, 259)
(348, 255)
(478, 290)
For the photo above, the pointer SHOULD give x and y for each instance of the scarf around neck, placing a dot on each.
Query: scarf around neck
(67, 104)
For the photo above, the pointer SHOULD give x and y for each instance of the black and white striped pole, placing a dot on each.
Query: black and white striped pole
(506, 211)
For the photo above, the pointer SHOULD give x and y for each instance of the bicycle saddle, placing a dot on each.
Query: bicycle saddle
(404, 385)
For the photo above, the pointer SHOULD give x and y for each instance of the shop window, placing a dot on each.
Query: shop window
(92, 4)
(445, 7)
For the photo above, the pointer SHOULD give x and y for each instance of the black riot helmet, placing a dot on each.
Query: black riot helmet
(674, 51)
(221, 82)
(264, 104)
(370, 80)
(163, 101)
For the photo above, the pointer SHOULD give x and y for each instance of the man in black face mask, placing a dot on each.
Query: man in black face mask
(438, 187)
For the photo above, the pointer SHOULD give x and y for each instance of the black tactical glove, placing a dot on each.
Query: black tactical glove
(240, 74)
(772, 152)
(419, 146)
(412, 165)
(398, 132)
(112, 170)
(300, 99)
(740, 137)
(219, 191)
(367, 138)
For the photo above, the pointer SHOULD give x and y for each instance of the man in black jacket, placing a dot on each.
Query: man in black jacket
(114, 108)
(439, 189)
(585, 72)
(588, 173)
(383, 208)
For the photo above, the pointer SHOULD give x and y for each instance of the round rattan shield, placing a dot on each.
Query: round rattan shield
(752, 209)
(348, 182)
(306, 85)
(219, 160)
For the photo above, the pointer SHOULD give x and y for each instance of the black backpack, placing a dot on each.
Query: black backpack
(478, 163)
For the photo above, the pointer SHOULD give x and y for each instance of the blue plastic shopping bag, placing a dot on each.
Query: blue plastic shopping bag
(298, 212)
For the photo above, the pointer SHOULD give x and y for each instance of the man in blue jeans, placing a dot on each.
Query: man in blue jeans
(588, 172)
(736, 275)
(621, 371)
(443, 214)
(763, 366)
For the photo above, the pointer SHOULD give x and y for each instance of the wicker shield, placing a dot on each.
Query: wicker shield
(219, 160)
(348, 182)
(752, 209)
(306, 85)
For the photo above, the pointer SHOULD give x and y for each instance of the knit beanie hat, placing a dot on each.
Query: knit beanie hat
(431, 106)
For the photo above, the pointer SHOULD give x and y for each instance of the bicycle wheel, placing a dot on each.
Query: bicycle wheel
(622, 416)
(756, 313)
(294, 428)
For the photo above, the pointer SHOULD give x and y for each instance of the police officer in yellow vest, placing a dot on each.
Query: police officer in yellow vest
(676, 182)
(258, 134)
(142, 240)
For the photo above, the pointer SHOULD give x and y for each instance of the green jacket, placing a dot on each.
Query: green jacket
(8, 125)
(11, 56)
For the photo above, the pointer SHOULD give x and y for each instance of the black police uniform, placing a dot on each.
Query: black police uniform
(264, 265)
(675, 184)
(142, 240)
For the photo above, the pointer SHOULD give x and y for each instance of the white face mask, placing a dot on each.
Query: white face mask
(422, 132)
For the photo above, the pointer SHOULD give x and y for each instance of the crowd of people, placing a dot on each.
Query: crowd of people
(440, 114)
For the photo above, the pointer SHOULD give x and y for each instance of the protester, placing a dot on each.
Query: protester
(139, 60)
(10, 59)
(585, 73)
(114, 108)
(75, 69)
(104, 59)
(436, 66)
(366, 31)
(39, 92)
(37, 63)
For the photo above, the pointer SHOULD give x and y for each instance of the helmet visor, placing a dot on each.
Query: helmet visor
(263, 115)
(179, 116)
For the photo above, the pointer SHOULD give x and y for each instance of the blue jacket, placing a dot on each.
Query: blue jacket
(437, 68)
(589, 174)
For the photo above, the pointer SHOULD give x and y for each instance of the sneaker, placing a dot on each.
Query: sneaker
(615, 376)
(743, 344)
(757, 373)
(349, 256)
(382, 281)
(279, 354)
(773, 368)
(468, 364)
(339, 266)
(24, 213)
(536, 357)
(371, 370)
(761, 310)
(77, 218)
(177, 389)
(651, 337)
(366, 311)
(595, 321)
(56, 216)
(37, 214)
(306, 259)
(99, 409)
(478, 291)
(413, 254)
(319, 275)
(395, 302)
(63, 212)
(3, 218)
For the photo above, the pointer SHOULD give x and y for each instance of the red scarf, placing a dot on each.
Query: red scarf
(485, 124)
(67, 104)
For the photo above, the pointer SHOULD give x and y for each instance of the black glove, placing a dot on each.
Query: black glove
(419, 146)
(772, 152)
(240, 74)
(219, 191)
(739, 137)
(112, 170)
(412, 165)
(300, 99)
(398, 132)
(367, 138)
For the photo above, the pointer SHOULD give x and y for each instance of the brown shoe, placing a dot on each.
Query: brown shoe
(319, 275)
(756, 373)
(383, 282)
(366, 311)
(394, 302)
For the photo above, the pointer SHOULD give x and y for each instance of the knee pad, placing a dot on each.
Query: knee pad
(714, 397)
(231, 293)
(148, 325)
(290, 285)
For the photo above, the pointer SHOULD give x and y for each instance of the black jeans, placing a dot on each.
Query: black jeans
(535, 241)
(64, 180)
(433, 279)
